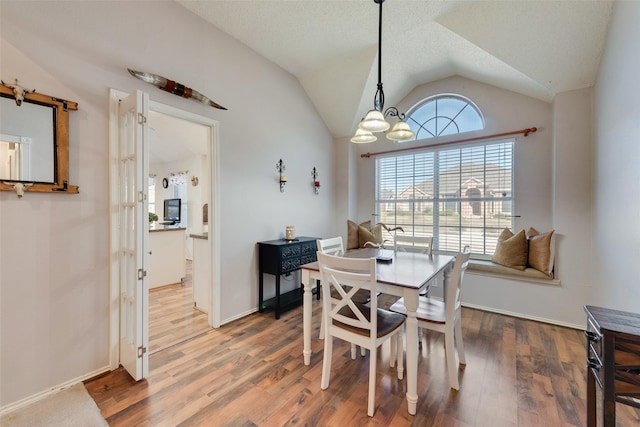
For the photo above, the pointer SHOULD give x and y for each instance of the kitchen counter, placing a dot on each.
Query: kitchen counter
(159, 227)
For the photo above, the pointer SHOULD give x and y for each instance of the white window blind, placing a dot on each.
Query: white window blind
(460, 196)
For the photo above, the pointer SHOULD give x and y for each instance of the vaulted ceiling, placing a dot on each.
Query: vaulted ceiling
(536, 48)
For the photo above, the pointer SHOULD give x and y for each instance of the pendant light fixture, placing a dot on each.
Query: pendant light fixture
(375, 120)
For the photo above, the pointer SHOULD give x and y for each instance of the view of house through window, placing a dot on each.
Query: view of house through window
(460, 196)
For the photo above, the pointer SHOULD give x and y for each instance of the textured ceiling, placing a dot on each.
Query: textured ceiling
(536, 48)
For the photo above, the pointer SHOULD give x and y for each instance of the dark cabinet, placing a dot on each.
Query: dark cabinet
(278, 257)
(613, 362)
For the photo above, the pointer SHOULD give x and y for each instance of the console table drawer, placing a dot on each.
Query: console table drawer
(290, 251)
(290, 264)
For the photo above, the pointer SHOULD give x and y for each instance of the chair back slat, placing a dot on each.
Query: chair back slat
(331, 246)
(421, 244)
(454, 290)
(346, 276)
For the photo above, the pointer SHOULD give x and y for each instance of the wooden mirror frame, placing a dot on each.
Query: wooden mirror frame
(61, 109)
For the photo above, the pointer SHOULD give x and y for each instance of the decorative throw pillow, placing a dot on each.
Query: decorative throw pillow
(512, 250)
(542, 250)
(353, 241)
(365, 235)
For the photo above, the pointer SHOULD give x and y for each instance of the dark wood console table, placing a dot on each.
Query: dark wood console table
(613, 362)
(279, 257)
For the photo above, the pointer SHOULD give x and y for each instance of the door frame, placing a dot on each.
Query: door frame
(214, 216)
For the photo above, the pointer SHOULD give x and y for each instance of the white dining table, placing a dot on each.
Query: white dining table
(406, 275)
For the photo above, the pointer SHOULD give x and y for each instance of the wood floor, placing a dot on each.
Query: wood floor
(172, 317)
(251, 373)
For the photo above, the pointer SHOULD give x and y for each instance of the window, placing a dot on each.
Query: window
(444, 115)
(152, 193)
(460, 196)
(179, 191)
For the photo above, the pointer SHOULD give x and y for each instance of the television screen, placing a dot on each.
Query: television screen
(172, 210)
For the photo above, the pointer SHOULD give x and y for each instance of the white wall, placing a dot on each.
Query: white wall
(616, 223)
(552, 191)
(54, 248)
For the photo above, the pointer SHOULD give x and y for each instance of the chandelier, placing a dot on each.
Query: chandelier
(375, 120)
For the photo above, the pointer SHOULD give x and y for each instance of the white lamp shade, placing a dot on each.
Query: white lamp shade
(374, 122)
(363, 137)
(400, 132)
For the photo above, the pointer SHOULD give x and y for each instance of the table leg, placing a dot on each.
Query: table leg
(307, 299)
(591, 398)
(411, 303)
(445, 282)
(277, 296)
(261, 292)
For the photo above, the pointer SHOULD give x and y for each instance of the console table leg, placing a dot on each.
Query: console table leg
(277, 296)
(261, 292)
(591, 399)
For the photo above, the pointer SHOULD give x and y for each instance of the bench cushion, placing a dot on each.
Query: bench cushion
(491, 267)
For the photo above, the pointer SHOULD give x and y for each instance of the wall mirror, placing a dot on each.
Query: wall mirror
(34, 142)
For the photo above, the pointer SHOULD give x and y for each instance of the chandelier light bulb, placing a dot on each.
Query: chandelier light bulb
(374, 122)
(400, 132)
(363, 137)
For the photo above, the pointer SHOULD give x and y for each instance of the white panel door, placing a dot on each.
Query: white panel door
(133, 225)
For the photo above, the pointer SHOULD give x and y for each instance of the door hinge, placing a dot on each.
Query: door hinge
(142, 196)
(141, 274)
(141, 351)
(141, 119)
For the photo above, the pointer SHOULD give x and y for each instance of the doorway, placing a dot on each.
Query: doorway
(209, 194)
(179, 178)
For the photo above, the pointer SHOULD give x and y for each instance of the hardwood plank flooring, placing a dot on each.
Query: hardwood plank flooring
(251, 373)
(172, 317)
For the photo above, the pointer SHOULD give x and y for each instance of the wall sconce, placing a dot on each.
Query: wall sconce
(280, 167)
(316, 183)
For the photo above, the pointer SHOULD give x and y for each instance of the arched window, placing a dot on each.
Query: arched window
(446, 114)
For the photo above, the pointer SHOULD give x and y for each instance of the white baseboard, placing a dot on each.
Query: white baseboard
(239, 316)
(524, 316)
(34, 398)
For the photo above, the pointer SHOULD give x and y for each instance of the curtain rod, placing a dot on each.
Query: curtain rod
(526, 132)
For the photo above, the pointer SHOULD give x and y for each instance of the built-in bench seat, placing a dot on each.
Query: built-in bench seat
(490, 268)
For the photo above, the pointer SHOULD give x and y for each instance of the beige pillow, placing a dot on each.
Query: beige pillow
(512, 250)
(365, 235)
(542, 250)
(353, 241)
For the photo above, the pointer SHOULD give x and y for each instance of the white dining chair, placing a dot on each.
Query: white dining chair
(335, 246)
(331, 246)
(420, 244)
(444, 317)
(365, 325)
